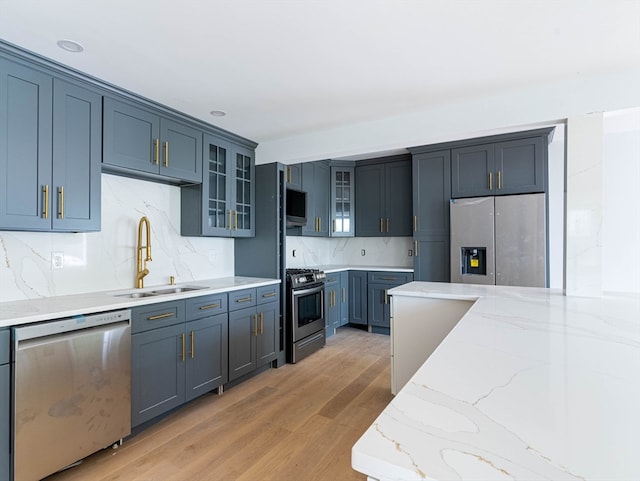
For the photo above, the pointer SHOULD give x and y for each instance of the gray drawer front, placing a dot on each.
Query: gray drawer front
(332, 278)
(5, 348)
(153, 316)
(241, 299)
(390, 277)
(268, 293)
(206, 306)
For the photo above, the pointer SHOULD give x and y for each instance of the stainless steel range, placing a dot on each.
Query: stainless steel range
(305, 316)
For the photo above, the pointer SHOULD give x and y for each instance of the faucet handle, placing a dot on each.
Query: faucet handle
(172, 280)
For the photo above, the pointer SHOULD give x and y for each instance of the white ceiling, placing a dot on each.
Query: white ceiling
(284, 67)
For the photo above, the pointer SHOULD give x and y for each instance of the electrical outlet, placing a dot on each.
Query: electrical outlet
(294, 253)
(410, 253)
(57, 260)
(362, 252)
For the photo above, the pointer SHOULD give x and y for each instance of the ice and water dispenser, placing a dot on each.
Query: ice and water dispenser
(474, 260)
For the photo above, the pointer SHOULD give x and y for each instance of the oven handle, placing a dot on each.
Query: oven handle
(311, 290)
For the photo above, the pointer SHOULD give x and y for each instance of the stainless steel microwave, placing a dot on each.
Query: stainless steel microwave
(296, 207)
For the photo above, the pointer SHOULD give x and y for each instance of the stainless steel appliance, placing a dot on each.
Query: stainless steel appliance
(72, 394)
(499, 240)
(305, 316)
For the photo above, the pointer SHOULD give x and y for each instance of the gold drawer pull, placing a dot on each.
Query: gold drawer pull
(490, 180)
(255, 324)
(166, 154)
(245, 299)
(182, 354)
(270, 294)
(209, 306)
(499, 179)
(160, 316)
(61, 202)
(262, 323)
(193, 349)
(156, 153)
(45, 191)
(389, 278)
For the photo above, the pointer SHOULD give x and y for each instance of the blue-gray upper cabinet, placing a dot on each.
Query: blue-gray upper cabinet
(383, 199)
(143, 143)
(50, 131)
(510, 167)
(431, 198)
(315, 182)
(224, 204)
(342, 201)
(293, 176)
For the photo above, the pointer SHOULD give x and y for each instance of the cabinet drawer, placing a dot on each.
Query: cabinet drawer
(4, 346)
(268, 293)
(241, 299)
(158, 315)
(332, 278)
(390, 277)
(205, 306)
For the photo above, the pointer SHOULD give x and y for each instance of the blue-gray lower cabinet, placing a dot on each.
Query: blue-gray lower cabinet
(332, 303)
(379, 307)
(358, 297)
(5, 413)
(178, 352)
(253, 329)
(344, 298)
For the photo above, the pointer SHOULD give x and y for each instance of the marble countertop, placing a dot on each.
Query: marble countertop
(338, 268)
(529, 385)
(15, 313)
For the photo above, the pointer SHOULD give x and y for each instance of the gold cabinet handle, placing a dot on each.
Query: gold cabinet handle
(381, 224)
(182, 354)
(344, 295)
(193, 348)
(160, 316)
(490, 180)
(288, 174)
(269, 294)
(389, 278)
(386, 298)
(388, 224)
(45, 193)
(255, 324)
(415, 223)
(236, 218)
(499, 179)
(209, 306)
(415, 248)
(156, 151)
(319, 224)
(230, 223)
(61, 202)
(166, 154)
(245, 299)
(262, 323)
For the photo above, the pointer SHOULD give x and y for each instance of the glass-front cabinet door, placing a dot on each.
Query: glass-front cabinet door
(243, 212)
(216, 164)
(342, 201)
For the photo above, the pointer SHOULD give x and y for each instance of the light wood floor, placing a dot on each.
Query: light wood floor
(296, 423)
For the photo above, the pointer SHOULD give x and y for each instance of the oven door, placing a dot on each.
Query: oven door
(307, 311)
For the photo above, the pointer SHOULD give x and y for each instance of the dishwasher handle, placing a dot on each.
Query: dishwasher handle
(75, 323)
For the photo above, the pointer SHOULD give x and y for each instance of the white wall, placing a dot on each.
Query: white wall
(107, 259)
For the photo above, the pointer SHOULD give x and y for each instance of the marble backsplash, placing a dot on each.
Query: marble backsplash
(107, 259)
(378, 251)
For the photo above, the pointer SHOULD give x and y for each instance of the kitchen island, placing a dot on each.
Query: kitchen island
(528, 385)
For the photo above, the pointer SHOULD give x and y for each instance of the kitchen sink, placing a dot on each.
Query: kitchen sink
(158, 292)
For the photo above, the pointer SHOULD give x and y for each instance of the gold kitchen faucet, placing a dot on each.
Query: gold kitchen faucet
(142, 266)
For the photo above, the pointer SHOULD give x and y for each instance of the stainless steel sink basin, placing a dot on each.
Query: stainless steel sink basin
(158, 292)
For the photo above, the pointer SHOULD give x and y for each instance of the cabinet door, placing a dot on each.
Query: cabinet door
(131, 137)
(431, 258)
(268, 332)
(243, 328)
(315, 182)
(243, 193)
(77, 147)
(157, 372)
(520, 166)
(181, 147)
(332, 303)
(342, 202)
(378, 308)
(398, 221)
(344, 298)
(216, 183)
(370, 185)
(5, 415)
(309, 186)
(206, 368)
(293, 176)
(472, 171)
(25, 153)
(358, 297)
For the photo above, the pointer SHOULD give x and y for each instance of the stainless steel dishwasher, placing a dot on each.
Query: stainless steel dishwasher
(72, 390)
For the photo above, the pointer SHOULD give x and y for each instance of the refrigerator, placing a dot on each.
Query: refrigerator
(499, 240)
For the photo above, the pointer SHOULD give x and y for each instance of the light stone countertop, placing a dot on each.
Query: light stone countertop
(529, 385)
(339, 268)
(15, 313)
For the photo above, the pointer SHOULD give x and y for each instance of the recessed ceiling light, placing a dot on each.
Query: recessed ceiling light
(218, 113)
(70, 46)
